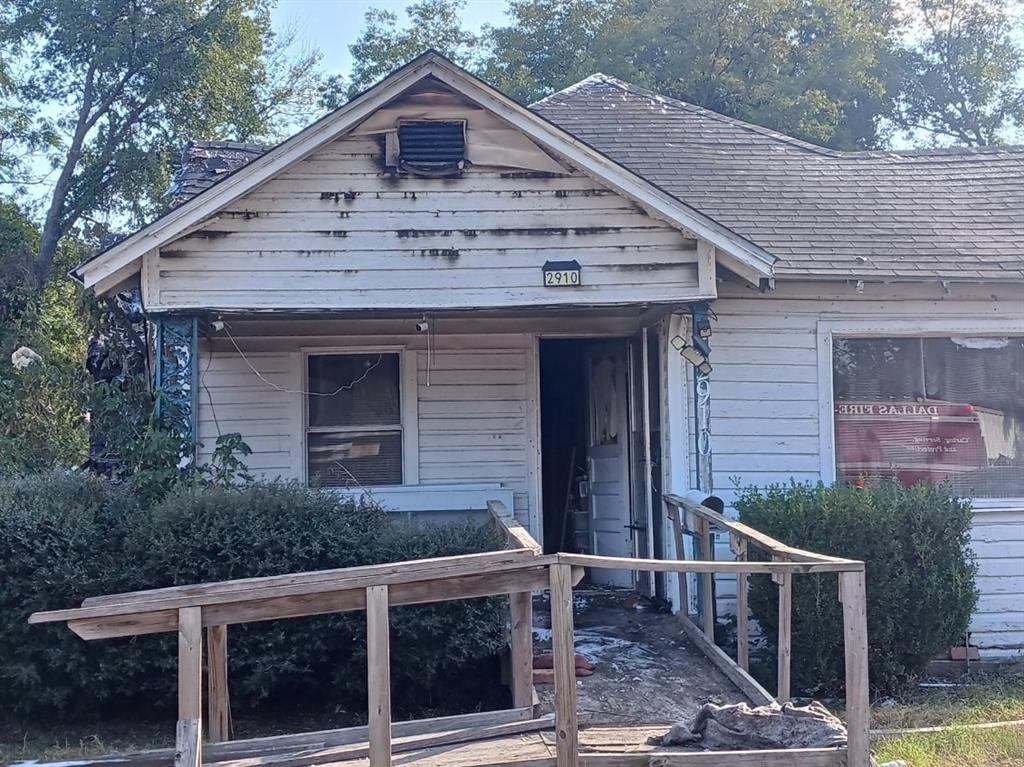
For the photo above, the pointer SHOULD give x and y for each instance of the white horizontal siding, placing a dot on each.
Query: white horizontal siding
(233, 399)
(766, 421)
(334, 231)
(473, 421)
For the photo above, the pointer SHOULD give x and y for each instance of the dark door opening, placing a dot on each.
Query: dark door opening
(599, 449)
(563, 429)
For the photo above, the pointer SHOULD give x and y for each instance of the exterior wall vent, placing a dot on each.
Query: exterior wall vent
(432, 147)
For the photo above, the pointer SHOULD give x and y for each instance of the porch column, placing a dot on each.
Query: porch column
(176, 377)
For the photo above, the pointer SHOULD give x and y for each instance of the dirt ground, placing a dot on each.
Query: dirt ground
(646, 670)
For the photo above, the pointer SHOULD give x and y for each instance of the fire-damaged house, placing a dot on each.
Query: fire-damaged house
(441, 297)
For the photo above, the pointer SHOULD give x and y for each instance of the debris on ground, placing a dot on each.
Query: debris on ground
(645, 669)
(544, 667)
(742, 727)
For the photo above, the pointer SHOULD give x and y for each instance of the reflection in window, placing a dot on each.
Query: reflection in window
(933, 410)
(354, 430)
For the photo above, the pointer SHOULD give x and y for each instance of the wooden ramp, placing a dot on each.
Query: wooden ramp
(603, 746)
(516, 736)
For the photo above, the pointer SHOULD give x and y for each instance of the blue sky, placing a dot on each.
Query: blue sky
(333, 25)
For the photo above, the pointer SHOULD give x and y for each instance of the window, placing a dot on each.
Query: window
(931, 409)
(354, 420)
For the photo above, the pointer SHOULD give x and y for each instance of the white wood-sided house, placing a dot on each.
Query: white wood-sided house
(442, 297)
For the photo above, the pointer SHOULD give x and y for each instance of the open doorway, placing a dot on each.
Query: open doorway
(595, 450)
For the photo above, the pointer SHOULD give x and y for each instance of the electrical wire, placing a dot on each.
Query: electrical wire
(209, 394)
(272, 385)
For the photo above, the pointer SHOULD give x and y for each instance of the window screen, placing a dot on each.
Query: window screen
(947, 410)
(354, 426)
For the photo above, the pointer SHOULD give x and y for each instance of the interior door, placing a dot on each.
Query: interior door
(608, 436)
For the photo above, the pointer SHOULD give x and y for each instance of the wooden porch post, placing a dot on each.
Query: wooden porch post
(188, 735)
(853, 595)
(563, 646)
(521, 618)
(378, 666)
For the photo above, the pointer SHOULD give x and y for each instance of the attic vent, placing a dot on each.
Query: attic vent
(432, 147)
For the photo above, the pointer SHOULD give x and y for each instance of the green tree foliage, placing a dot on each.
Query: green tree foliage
(385, 45)
(41, 404)
(841, 73)
(965, 72)
(130, 83)
(550, 44)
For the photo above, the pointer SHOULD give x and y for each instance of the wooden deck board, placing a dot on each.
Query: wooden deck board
(605, 746)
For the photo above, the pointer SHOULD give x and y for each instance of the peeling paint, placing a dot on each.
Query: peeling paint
(450, 253)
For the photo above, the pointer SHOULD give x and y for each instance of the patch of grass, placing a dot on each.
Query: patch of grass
(992, 698)
(996, 698)
(68, 742)
(956, 748)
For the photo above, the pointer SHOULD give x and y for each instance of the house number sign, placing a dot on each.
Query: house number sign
(561, 274)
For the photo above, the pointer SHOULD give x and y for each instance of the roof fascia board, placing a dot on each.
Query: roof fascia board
(195, 211)
(603, 169)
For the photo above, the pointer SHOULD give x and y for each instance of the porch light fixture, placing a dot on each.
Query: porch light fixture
(692, 354)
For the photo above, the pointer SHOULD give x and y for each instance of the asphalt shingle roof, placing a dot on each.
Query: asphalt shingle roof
(953, 214)
(950, 214)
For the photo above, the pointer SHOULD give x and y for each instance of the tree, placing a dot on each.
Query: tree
(130, 83)
(383, 46)
(551, 44)
(42, 353)
(964, 79)
(816, 69)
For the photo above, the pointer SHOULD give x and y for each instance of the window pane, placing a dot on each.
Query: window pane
(361, 389)
(934, 410)
(355, 460)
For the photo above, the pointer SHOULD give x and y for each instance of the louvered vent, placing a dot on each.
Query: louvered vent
(432, 147)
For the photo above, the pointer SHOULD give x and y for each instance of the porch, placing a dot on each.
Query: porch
(560, 414)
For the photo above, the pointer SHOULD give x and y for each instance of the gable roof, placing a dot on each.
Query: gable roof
(122, 259)
(934, 214)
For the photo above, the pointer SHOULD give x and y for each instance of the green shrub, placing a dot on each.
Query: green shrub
(914, 542)
(67, 537)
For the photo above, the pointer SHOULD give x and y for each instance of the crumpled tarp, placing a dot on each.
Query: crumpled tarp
(740, 727)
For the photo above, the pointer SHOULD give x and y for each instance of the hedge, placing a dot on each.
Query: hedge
(915, 543)
(69, 536)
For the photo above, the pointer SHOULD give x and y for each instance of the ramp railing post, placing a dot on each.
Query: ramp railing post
(785, 581)
(853, 595)
(521, 619)
(563, 647)
(219, 703)
(378, 668)
(189, 731)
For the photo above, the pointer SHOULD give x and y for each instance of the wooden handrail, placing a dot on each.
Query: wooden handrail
(745, 532)
(705, 566)
(516, 535)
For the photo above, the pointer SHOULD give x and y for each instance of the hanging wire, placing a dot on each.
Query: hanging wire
(272, 385)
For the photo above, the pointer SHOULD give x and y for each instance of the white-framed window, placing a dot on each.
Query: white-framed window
(928, 406)
(354, 419)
